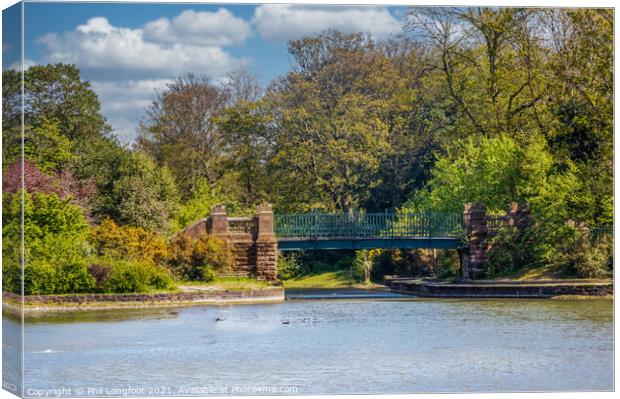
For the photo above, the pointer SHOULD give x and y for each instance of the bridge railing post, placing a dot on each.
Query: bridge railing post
(266, 245)
(217, 222)
(475, 221)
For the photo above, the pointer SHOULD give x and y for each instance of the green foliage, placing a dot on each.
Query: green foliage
(245, 132)
(145, 195)
(44, 146)
(497, 171)
(363, 264)
(513, 250)
(129, 243)
(200, 203)
(55, 246)
(475, 105)
(125, 276)
(585, 259)
(289, 266)
(448, 265)
(197, 259)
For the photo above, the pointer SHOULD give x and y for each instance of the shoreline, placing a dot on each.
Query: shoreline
(39, 305)
(543, 289)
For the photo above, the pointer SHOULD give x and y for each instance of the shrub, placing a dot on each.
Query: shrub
(128, 243)
(513, 249)
(197, 259)
(363, 264)
(587, 260)
(60, 262)
(55, 246)
(123, 276)
(448, 264)
(289, 266)
(53, 265)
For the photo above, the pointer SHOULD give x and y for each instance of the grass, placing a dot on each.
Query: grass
(227, 283)
(326, 280)
(549, 272)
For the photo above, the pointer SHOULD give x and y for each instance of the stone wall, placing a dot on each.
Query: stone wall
(251, 241)
(487, 289)
(172, 297)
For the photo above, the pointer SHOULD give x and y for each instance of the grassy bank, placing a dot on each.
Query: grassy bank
(326, 280)
(550, 272)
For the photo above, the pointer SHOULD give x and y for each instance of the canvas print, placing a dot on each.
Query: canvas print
(293, 199)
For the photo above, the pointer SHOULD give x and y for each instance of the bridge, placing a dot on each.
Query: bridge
(426, 229)
(254, 242)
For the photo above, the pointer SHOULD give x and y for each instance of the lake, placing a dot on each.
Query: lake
(384, 344)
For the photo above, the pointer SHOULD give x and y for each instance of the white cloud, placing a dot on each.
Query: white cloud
(123, 103)
(281, 22)
(17, 66)
(122, 52)
(220, 28)
(125, 65)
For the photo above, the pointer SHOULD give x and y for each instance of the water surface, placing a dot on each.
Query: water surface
(354, 345)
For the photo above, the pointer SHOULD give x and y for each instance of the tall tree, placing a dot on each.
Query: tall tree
(179, 132)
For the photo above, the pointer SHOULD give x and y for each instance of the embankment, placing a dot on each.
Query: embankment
(501, 289)
(41, 304)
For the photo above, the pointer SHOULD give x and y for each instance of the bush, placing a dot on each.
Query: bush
(56, 265)
(587, 260)
(448, 264)
(123, 276)
(55, 245)
(66, 255)
(363, 264)
(513, 249)
(128, 243)
(145, 194)
(197, 259)
(289, 266)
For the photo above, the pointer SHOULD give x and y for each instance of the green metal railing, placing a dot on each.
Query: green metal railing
(367, 225)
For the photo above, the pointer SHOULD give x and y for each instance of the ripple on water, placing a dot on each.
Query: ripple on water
(335, 346)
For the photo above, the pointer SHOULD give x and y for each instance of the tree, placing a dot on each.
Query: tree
(202, 200)
(179, 133)
(489, 63)
(54, 92)
(65, 133)
(145, 194)
(328, 117)
(245, 131)
(499, 170)
(582, 92)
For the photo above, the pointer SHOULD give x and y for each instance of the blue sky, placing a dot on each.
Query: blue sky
(127, 51)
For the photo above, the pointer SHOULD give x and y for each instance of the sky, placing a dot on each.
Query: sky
(127, 51)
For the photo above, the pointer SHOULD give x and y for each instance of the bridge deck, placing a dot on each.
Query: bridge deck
(411, 230)
(296, 244)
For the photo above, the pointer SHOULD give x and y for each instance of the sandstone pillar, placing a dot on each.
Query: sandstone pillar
(217, 224)
(474, 257)
(266, 245)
